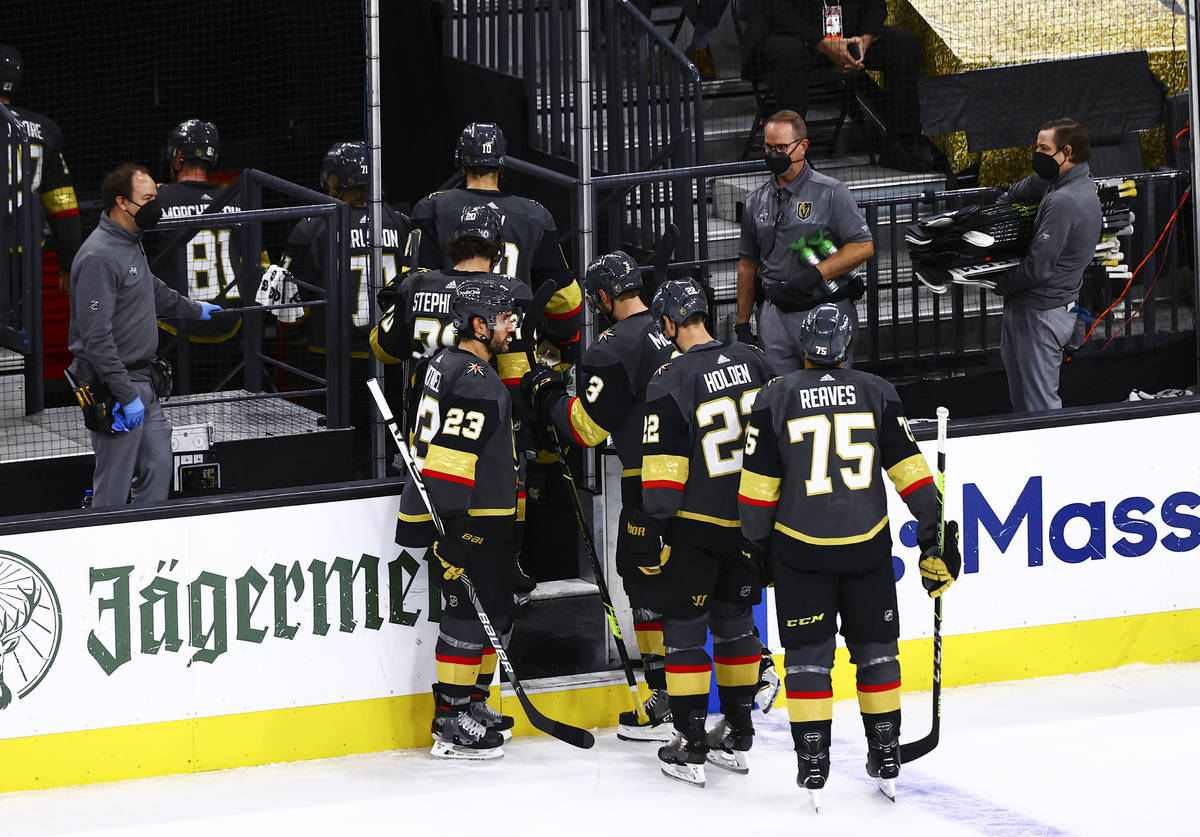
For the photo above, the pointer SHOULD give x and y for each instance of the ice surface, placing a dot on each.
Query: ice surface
(1091, 754)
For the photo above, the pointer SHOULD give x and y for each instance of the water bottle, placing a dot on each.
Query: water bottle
(87, 500)
(827, 248)
(813, 259)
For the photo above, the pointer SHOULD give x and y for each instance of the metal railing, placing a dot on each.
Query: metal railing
(21, 261)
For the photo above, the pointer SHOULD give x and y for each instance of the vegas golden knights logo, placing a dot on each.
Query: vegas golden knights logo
(30, 626)
(804, 210)
(698, 601)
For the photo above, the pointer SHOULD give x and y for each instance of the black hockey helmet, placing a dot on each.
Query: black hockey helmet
(197, 140)
(479, 298)
(825, 335)
(614, 273)
(11, 67)
(478, 223)
(678, 300)
(481, 145)
(344, 167)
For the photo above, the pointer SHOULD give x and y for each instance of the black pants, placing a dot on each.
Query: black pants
(785, 64)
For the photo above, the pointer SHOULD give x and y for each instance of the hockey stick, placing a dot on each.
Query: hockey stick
(563, 732)
(913, 750)
(531, 323)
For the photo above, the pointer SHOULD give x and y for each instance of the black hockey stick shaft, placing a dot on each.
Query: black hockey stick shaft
(563, 732)
(532, 321)
(915, 749)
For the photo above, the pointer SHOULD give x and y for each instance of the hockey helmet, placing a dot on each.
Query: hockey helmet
(678, 300)
(478, 223)
(479, 298)
(481, 145)
(614, 273)
(11, 67)
(197, 140)
(344, 167)
(825, 335)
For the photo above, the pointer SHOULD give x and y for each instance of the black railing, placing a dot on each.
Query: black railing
(21, 262)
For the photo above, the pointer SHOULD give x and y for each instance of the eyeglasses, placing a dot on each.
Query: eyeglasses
(783, 147)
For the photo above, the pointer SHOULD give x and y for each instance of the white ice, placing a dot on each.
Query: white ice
(1092, 754)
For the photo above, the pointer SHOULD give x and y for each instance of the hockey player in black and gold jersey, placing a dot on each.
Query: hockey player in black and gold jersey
(612, 380)
(47, 169)
(691, 458)
(813, 510)
(466, 450)
(531, 253)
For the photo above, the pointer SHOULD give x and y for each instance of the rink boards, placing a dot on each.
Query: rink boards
(293, 632)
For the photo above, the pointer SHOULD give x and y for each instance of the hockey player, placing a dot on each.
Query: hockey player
(612, 379)
(50, 176)
(421, 320)
(464, 447)
(531, 251)
(691, 457)
(814, 514)
(205, 267)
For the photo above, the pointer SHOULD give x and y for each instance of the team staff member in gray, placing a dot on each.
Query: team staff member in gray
(794, 204)
(1040, 293)
(114, 303)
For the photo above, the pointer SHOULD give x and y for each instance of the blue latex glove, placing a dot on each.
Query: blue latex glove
(118, 420)
(129, 415)
(207, 309)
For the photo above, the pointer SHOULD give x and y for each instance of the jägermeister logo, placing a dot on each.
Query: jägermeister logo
(30, 626)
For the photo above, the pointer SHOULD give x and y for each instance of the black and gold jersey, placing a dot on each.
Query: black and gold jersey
(531, 251)
(50, 178)
(817, 445)
(612, 379)
(696, 407)
(305, 258)
(464, 446)
(205, 266)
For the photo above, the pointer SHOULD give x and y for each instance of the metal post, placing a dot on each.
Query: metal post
(252, 320)
(584, 138)
(374, 214)
(1193, 43)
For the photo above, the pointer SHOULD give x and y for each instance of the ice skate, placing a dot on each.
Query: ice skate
(883, 757)
(768, 683)
(483, 712)
(460, 736)
(812, 759)
(684, 760)
(658, 720)
(727, 747)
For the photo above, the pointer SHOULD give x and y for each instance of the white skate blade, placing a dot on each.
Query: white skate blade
(978, 239)
(661, 733)
(732, 760)
(814, 796)
(768, 693)
(446, 750)
(693, 774)
(506, 735)
(935, 287)
(887, 787)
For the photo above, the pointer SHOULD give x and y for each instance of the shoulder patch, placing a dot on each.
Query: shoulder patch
(474, 368)
(773, 380)
(664, 367)
(605, 335)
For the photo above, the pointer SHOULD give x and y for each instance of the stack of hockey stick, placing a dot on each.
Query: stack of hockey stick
(976, 246)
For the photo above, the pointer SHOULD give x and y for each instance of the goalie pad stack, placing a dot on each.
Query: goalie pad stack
(976, 246)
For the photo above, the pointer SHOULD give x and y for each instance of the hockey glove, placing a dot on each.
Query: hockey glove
(759, 561)
(938, 572)
(455, 548)
(744, 334)
(643, 540)
(541, 387)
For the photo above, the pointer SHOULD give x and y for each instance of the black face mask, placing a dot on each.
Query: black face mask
(1045, 166)
(778, 162)
(148, 214)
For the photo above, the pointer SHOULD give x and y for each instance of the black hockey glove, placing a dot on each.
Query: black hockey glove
(541, 386)
(455, 549)
(385, 297)
(759, 560)
(643, 541)
(938, 572)
(744, 334)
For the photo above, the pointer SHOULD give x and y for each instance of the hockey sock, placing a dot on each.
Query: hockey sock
(487, 672)
(687, 673)
(458, 672)
(737, 662)
(878, 676)
(808, 686)
(648, 630)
